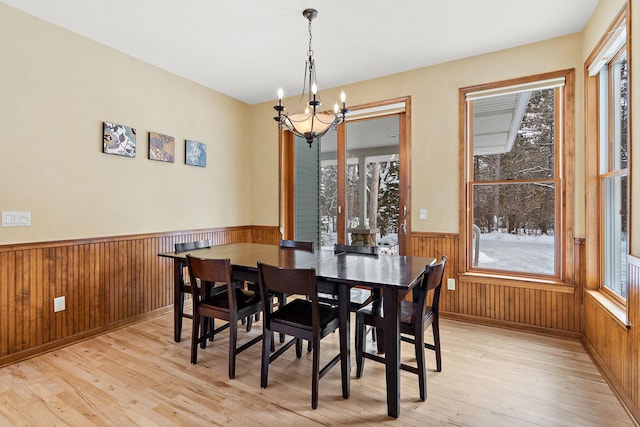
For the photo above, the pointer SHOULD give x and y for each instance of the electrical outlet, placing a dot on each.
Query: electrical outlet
(59, 304)
(451, 284)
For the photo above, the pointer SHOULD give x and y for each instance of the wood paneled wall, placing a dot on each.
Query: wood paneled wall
(107, 282)
(543, 308)
(615, 346)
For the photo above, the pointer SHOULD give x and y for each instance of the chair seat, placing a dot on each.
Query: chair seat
(298, 312)
(221, 299)
(408, 312)
(358, 298)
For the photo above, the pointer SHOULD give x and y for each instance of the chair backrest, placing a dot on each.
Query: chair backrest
(187, 246)
(204, 272)
(431, 280)
(289, 281)
(351, 249)
(297, 244)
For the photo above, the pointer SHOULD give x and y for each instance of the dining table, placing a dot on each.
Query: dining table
(394, 275)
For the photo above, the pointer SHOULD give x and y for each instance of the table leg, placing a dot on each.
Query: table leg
(392, 350)
(345, 339)
(177, 299)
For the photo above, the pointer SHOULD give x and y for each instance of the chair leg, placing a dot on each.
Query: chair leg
(315, 375)
(267, 344)
(195, 330)
(233, 340)
(249, 321)
(212, 327)
(205, 323)
(360, 344)
(298, 348)
(436, 341)
(422, 368)
(282, 300)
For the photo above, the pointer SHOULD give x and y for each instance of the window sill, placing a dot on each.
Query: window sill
(617, 312)
(518, 282)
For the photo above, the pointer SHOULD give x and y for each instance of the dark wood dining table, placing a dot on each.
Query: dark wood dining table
(394, 275)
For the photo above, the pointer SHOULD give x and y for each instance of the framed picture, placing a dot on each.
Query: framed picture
(195, 153)
(118, 139)
(162, 147)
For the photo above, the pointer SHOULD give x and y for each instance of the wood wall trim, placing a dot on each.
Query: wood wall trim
(614, 311)
(108, 282)
(629, 405)
(536, 305)
(511, 325)
(533, 283)
(104, 239)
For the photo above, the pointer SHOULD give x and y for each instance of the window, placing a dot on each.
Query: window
(608, 73)
(516, 175)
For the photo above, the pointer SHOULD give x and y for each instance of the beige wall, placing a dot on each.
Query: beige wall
(434, 98)
(57, 88)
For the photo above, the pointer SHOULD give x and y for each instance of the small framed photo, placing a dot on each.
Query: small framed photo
(118, 139)
(162, 147)
(195, 153)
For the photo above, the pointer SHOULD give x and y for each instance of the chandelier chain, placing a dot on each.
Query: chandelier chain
(310, 51)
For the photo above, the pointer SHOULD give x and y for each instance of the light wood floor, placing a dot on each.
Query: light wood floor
(139, 376)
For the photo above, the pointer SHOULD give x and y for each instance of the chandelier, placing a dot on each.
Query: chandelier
(310, 123)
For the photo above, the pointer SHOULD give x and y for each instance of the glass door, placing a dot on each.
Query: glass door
(370, 169)
(351, 185)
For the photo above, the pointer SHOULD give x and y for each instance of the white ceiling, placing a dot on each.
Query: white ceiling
(248, 48)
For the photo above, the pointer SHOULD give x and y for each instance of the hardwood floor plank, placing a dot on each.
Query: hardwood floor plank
(138, 375)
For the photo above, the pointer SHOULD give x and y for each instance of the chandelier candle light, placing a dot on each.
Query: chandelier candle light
(310, 124)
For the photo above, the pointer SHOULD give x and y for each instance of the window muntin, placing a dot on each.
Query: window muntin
(515, 197)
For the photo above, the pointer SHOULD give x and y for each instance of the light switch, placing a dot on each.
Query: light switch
(16, 219)
(423, 214)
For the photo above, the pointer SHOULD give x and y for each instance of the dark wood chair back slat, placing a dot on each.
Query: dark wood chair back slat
(297, 244)
(187, 246)
(351, 249)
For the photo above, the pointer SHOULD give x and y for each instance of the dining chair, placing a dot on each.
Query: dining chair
(359, 296)
(303, 318)
(231, 304)
(415, 317)
(292, 244)
(184, 287)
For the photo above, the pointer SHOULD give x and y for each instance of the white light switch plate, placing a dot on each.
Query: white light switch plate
(16, 219)
(451, 284)
(59, 304)
(423, 214)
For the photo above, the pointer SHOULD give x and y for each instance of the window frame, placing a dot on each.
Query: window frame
(604, 56)
(564, 177)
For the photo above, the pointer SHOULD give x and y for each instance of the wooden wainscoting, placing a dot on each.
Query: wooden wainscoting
(614, 346)
(532, 306)
(107, 282)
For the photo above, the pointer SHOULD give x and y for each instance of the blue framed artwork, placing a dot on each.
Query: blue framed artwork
(195, 153)
(162, 147)
(118, 139)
